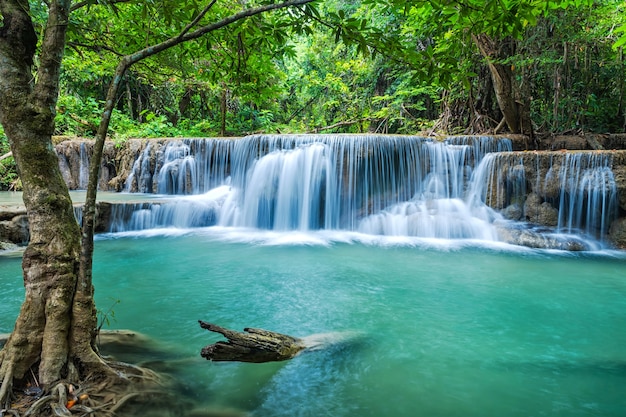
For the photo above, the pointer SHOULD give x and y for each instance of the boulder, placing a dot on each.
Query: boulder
(513, 212)
(538, 212)
(617, 233)
(537, 240)
(15, 230)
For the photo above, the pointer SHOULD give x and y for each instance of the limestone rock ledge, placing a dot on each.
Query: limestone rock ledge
(532, 185)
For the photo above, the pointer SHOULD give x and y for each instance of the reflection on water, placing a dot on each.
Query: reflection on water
(433, 327)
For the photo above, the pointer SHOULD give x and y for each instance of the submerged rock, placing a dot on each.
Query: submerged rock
(537, 240)
(513, 212)
(216, 412)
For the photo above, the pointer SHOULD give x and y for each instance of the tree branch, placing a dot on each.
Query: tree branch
(185, 37)
(84, 3)
(46, 89)
(341, 124)
(94, 47)
(89, 210)
(195, 21)
(251, 345)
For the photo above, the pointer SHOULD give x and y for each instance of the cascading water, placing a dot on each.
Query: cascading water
(378, 185)
(185, 166)
(284, 190)
(372, 184)
(83, 177)
(574, 192)
(392, 185)
(588, 201)
(182, 212)
(140, 177)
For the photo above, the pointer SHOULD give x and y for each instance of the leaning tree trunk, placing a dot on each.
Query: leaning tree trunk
(41, 338)
(514, 108)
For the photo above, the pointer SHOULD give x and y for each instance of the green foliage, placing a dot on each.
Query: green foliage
(577, 76)
(8, 170)
(106, 317)
(441, 35)
(389, 66)
(4, 143)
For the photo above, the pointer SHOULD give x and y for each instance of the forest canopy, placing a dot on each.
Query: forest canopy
(393, 66)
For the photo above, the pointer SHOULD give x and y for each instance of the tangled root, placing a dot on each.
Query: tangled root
(97, 397)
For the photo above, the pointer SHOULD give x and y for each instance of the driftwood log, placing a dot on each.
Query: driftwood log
(251, 345)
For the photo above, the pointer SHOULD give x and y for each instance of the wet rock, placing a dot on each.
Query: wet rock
(15, 230)
(538, 240)
(539, 212)
(619, 173)
(8, 246)
(513, 212)
(74, 157)
(548, 184)
(555, 143)
(617, 233)
(103, 217)
(583, 142)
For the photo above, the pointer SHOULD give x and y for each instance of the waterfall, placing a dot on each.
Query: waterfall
(459, 188)
(140, 178)
(377, 184)
(348, 182)
(588, 200)
(83, 177)
(183, 212)
(573, 192)
(183, 166)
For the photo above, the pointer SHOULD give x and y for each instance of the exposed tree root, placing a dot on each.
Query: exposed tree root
(6, 371)
(97, 396)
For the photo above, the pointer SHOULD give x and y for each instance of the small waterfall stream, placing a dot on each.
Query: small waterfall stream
(185, 166)
(460, 188)
(576, 193)
(83, 177)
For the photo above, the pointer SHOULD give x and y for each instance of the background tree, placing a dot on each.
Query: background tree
(457, 40)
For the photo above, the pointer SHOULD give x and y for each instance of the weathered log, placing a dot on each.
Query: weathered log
(251, 345)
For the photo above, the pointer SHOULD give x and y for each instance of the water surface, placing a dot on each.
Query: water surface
(420, 327)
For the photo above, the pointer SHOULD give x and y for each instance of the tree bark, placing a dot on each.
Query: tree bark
(50, 262)
(513, 109)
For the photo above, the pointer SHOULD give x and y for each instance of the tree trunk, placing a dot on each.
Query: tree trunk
(512, 107)
(129, 98)
(185, 101)
(223, 109)
(50, 263)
